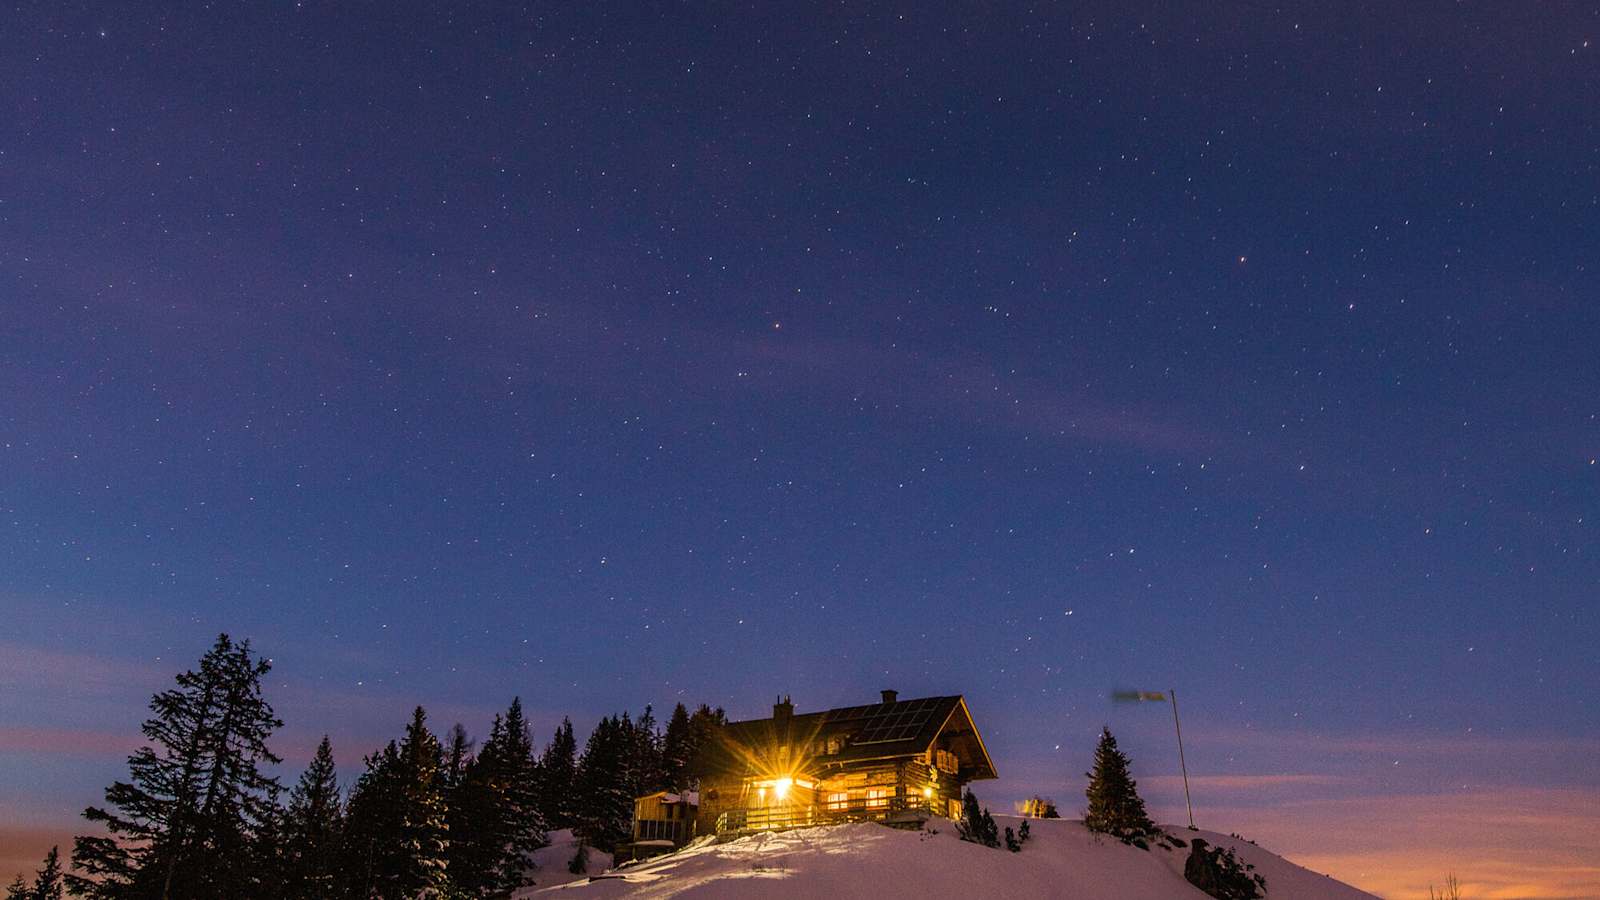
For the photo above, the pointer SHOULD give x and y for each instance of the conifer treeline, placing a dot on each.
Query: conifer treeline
(200, 816)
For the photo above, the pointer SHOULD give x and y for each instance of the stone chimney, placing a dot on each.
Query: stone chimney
(890, 696)
(783, 710)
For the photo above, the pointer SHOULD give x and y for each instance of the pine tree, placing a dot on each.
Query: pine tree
(977, 825)
(525, 829)
(604, 784)
(425, 833)
(645, 767)
(187, 821)
(312, 829)
(372, 827)
(677, 745)
(1115, 807)
(579, 864)
(47, 883)
(457, 755)
(705, 725)
(472, 807)
(397, 834)
(496, 823)
(558, 779)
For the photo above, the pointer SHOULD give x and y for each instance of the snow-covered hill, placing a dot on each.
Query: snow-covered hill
(869, 861)
(552, 862)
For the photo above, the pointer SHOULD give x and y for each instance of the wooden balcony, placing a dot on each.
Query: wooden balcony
(889, 810)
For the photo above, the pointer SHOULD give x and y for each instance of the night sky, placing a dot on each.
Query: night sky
(613, 354)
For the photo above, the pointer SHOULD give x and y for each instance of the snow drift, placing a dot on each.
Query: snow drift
(1063, 860)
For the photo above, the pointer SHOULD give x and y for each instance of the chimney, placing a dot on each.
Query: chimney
(783, 710)
(889, 696)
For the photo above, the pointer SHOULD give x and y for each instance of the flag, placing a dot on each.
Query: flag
(1138, 696)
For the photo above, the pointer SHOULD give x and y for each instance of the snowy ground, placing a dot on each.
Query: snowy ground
(876, 863)
(553, 860)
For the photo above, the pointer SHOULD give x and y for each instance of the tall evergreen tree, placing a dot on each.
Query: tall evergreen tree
(644, 765)
(425, 833)
(558, 779)
(186, 822)
(677, 745)
(397, 835)
(313, 826)
(705, 725)
(1115, 807)
(524, 824)
(473, 801)
(372, 827)
(457, 756)
(496, 823)
(605, 784)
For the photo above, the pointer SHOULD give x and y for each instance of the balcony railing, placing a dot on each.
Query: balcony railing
(777, 818)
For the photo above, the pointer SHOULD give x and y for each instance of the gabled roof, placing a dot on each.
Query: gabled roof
(874, 731)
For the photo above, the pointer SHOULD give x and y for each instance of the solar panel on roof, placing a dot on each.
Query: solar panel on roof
(898, 722)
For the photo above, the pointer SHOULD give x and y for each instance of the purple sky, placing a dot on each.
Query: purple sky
(620, 356)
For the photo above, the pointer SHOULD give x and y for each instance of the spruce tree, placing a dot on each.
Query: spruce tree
(496, 823)
(186, 822)
(472, 808)
(312, 829)
(47, 883)
(424, 831)
(644, 765)
(677, 745)
(372, 827)
(705, 725)
(558, 779)
(579, 864)
(1115, 807)
(525, 829)
(457, 755)
(604, 784)
(977, 825)
(397, 836)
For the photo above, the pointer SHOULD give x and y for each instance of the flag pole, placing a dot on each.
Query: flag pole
(1173, 693)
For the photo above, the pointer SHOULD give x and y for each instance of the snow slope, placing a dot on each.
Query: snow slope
(551, 862)
(1063, 860)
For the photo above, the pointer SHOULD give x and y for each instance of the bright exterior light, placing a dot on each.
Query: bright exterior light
(781, 787)
(927, 792)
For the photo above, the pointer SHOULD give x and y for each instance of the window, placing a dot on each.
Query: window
(838, 800)
(877, 798)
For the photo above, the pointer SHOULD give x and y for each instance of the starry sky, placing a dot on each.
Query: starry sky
(612, 354)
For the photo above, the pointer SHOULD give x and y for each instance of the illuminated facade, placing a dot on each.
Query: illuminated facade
(895, 761)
